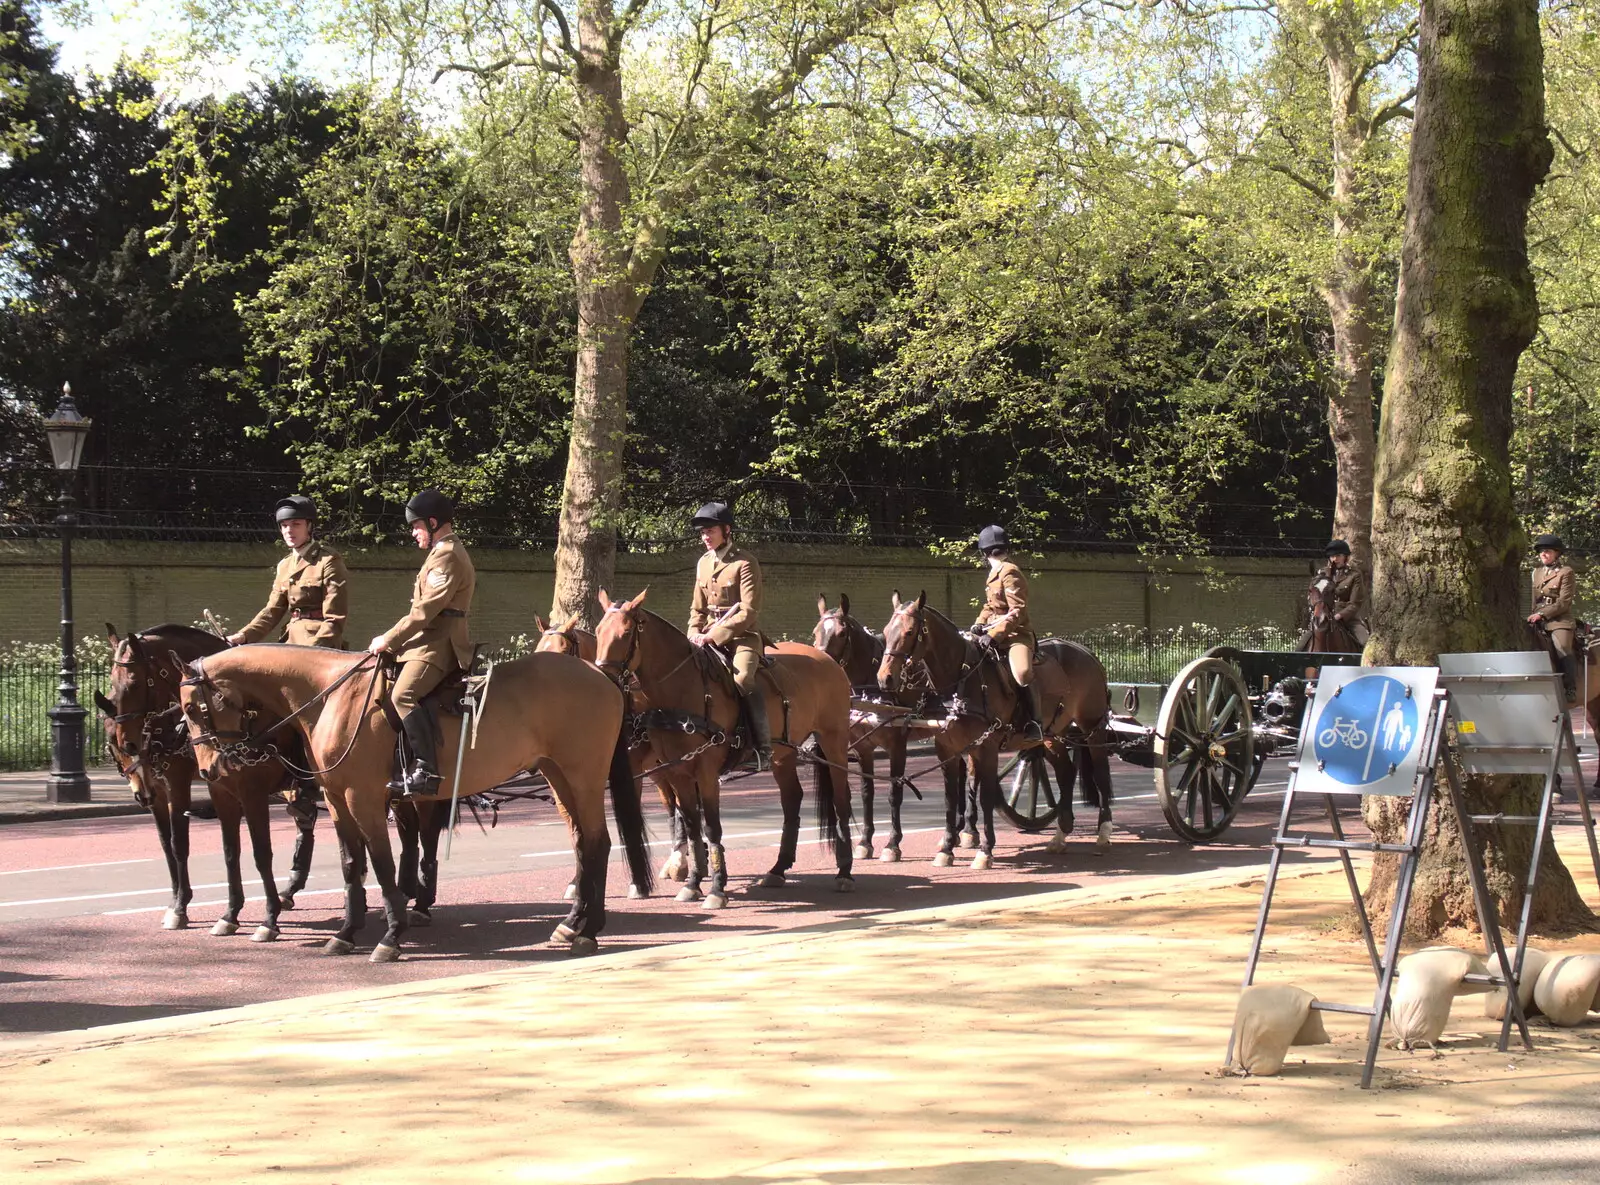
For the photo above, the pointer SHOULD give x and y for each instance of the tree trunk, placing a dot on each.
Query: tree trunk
(1347, 289)
(591, 499)
(1447, 546)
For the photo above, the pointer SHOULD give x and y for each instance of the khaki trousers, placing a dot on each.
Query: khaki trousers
(1021, 656)
(415, 680)
(746, 661)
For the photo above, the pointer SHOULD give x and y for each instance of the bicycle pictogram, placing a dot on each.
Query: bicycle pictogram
(1342, 731)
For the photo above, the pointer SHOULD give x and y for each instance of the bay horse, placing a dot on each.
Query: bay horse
(981, 702)
(545, 712)
(147, 743)
(1327, 634)
(691, 724)
(858, 650)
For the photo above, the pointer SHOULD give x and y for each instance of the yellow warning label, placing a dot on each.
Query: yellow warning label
(1466, 726)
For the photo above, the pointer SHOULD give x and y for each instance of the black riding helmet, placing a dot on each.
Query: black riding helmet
(1549, 543)
(1337, 547)
(294, 506)
(429, 504)
(991, 537)
(712, 514)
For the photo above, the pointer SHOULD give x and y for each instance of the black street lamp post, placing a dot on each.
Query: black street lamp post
(67, 782)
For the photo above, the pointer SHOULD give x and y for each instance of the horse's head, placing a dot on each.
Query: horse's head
(554, 640)
(904, 638)
(217, 716)
(831, 634)
(140, 714)
(616, 639)
(1319, 599)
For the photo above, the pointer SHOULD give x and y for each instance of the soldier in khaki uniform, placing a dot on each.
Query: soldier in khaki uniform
(724, 612)
(311, 589)
(1004, 617)
(430, 641)
(1555, 593)
(310, 586)
(1349, 592)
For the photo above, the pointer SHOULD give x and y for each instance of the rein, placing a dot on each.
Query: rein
(236, 740)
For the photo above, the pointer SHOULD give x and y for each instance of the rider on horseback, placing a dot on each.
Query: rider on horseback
(727, 600)
(1554, 596)
(1004, 619)
(1348, 585)
(432, 639)
(309, 587)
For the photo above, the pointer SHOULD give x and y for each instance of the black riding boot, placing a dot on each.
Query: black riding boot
(1030, 726)
(424, 779)
(760, 730)
(1569, 676)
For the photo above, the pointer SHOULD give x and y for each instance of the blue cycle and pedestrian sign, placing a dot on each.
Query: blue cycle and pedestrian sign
(1363, 732)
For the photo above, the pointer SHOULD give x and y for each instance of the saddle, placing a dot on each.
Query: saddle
(447, 699)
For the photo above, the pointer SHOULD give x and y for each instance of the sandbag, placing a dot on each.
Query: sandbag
(1533, 962)
(1568, 989)
(1429, 982)
(1269, 1019)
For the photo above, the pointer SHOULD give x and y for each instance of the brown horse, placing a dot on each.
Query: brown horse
(566, 639)
(146, 740)
(1327, 634)
(981, 703)
(546, 712)
(693, 728)
(858, 650)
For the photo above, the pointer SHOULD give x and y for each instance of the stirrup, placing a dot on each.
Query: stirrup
(421, 782)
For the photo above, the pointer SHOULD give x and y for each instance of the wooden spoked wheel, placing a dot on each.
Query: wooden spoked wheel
(1028, 797)
(1204, 749)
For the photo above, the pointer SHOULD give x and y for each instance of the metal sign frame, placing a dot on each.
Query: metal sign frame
(1499, 702)
(1423, 758)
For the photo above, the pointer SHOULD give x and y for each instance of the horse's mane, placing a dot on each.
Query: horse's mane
(172, 634)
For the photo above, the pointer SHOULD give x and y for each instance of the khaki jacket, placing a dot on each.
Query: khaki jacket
(1349, 592)
(312, 591)
(1555, 593)
(1005, 590)
(734, 579)
(435, 631)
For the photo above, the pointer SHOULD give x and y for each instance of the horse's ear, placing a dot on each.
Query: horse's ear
(894, 599)
(135, 651)
(111, 632)
(822, 604)
(540, 624)
(182, 668)
(639, 600)
(572, 623)
(605, 601)
(105, 705)
(844, 604)
(922, 599)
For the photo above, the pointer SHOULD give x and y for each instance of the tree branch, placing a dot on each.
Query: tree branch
(495, 67)
(1394, 109)
(1404, 39)
(765, 99)
(554, 9)
(1320, 192)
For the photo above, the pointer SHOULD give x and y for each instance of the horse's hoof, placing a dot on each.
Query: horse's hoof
(969, 840)
(338, 946)
(981, 861)
(570, 894)
(174, 919)
(943, 860)
(688, 894)
(1057, 844)
(563, 933)
(224, 928)
(863, 851)
(1102, 841)
(635, 893)
(582, 946)
(265, 934)
(418, 917)
(714, 901)
(384, 953)
(286, 901)
(771, 880)
(676, 868)
(844, 884)
(890, 855)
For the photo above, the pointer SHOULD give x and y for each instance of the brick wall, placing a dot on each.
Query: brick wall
(136, 585)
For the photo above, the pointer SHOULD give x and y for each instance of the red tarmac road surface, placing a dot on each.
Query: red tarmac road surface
(81, 901)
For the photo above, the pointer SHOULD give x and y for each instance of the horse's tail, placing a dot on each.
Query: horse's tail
(629, 811)
(827, 807)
